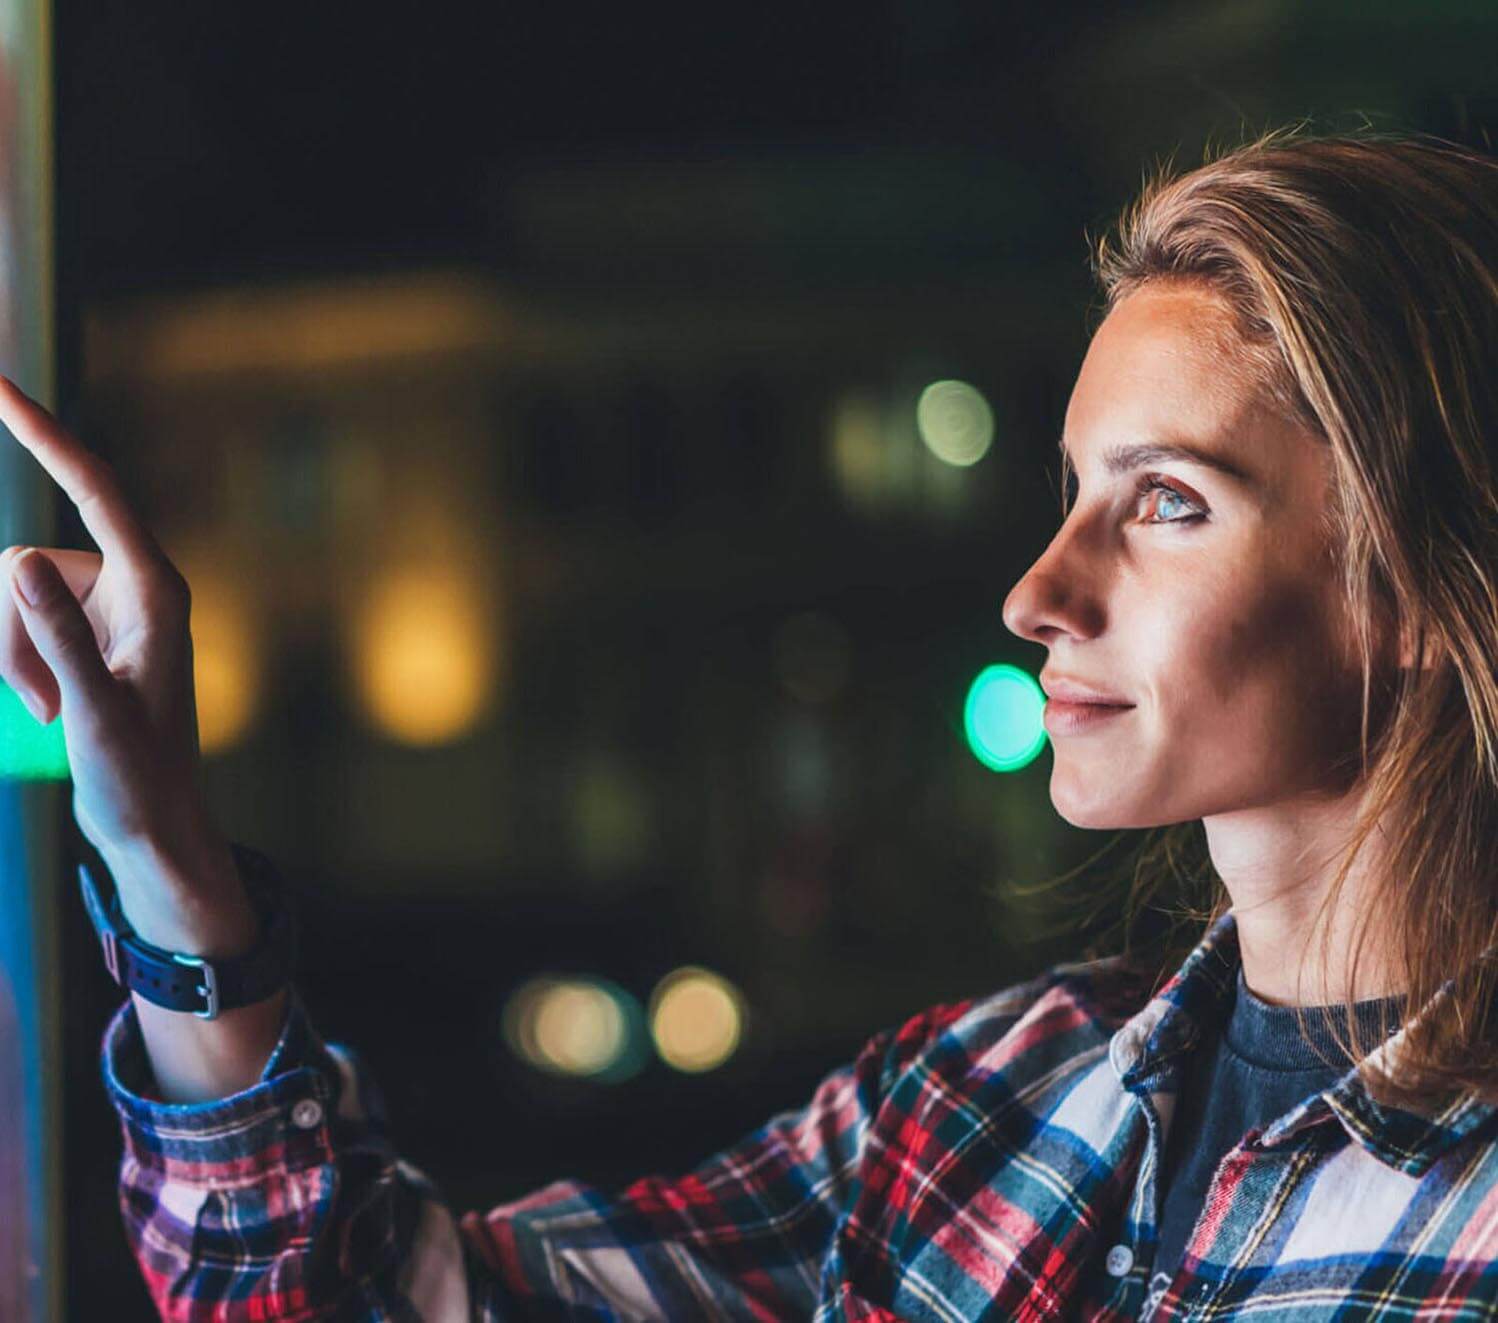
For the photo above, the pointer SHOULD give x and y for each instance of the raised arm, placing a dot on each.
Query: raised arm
(102, 639)
(258, 1179)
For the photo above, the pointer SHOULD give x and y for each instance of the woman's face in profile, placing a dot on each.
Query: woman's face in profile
(1212, 607)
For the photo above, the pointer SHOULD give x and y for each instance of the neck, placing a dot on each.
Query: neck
(1278, 864)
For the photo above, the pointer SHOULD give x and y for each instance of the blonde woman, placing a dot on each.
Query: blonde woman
(1269, 613)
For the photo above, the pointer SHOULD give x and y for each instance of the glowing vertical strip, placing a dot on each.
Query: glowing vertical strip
(31, 1111)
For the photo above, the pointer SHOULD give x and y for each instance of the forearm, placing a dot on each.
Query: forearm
(191, 900)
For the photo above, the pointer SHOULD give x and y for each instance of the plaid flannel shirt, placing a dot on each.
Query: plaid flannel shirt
(993, 1158)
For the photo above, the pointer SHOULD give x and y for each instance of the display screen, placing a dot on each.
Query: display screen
(30, 770)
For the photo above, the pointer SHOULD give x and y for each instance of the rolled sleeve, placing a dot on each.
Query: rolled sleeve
(285, 1200)
(279, 1124)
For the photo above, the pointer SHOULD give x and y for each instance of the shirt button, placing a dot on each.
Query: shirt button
(1120, 1259)
(307, 1113)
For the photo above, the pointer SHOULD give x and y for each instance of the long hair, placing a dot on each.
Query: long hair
(1361, 271)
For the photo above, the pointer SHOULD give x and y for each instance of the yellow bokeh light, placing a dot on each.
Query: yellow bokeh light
(228, 655)
(696, 1018)
(570, 1026)
(424, 652)
(858, 448)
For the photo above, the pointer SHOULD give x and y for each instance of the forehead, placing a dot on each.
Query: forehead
(1166, 358)
(1167, 367)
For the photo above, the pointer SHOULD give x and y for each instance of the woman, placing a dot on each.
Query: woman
(1276, 571)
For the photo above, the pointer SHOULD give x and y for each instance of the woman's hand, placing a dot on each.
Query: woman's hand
(107, 645)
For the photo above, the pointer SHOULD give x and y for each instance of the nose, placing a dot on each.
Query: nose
(1051, 596)
(1020, 612)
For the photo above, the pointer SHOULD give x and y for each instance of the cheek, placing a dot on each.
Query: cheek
(1255, 675)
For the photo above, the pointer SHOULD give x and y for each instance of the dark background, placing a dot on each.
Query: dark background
(728, 219)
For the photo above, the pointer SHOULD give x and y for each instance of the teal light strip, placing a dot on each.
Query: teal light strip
(29, 751)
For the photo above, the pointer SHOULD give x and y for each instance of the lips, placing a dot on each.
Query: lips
(1066, 690)
(1060, 718)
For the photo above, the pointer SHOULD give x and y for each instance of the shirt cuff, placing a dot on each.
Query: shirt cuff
(280, 1123)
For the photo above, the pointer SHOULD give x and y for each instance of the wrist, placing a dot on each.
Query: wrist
(172, 940)
(185, 896)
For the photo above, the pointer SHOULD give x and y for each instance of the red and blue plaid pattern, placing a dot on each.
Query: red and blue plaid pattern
(991, 1159)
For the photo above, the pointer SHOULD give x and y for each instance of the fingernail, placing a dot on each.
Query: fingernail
(30, 575)
(34, 706)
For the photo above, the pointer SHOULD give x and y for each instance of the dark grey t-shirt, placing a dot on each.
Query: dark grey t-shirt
(1258, 1068)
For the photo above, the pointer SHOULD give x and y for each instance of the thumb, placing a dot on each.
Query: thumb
(57, 626)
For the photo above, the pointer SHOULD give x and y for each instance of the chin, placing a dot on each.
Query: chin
(1102, 821)
(1089, 817)
(1103, 815)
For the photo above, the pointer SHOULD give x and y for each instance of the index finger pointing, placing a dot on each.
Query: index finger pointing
(88, 481)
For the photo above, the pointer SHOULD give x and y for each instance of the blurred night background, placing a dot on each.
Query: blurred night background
(600, 440)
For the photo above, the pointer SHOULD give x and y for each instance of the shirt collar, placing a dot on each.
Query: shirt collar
(1147, 1050)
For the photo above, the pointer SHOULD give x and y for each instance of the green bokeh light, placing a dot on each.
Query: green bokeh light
(1002, 717)
(955, 422)
(29, 751)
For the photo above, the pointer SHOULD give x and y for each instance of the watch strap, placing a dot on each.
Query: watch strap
(193, 983)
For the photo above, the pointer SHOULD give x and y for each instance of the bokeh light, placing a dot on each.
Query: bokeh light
(579, 1025)
(612, 813)
(697, 1019)
(860, 452)
(955, 422)
(228, 660)
(424, 652)
(805, 773)
(1003, 717)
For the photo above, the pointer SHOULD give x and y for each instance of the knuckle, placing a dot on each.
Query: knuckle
(9, 554)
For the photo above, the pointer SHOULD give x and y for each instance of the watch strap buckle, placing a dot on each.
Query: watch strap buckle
(149, 970)
(209, 986)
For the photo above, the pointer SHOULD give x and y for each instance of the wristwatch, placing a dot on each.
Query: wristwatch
(193, 983)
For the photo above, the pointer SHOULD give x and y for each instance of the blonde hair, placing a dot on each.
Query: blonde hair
(1361, 271)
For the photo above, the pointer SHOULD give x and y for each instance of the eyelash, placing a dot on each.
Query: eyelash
(1149, 482)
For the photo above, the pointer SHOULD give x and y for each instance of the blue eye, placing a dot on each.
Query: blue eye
(1150, 482)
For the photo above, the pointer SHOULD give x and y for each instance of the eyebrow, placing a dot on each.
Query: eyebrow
(1124, 459)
